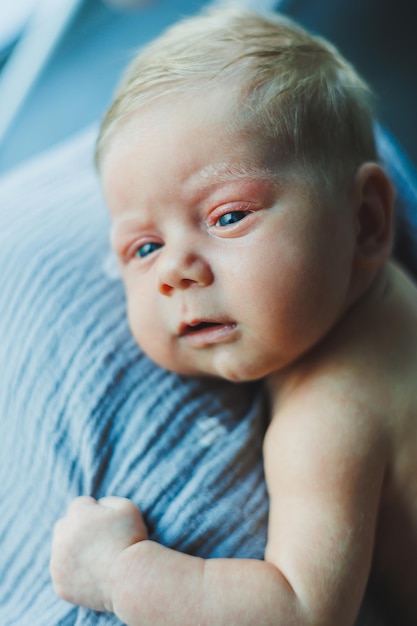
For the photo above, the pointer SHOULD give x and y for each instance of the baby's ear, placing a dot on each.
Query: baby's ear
(374, 208)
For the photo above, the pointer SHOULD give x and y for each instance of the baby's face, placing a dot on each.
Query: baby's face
(232, 266)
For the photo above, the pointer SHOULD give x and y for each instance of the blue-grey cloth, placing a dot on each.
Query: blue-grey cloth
(83, 411)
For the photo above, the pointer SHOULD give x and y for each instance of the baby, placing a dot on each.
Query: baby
(253, 228)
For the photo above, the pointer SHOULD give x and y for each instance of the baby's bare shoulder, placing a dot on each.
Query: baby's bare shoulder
(361, 379)
(357, 393)
(371, 357)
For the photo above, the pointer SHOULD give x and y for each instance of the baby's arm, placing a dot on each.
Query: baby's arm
(102, 559)
(325, 471)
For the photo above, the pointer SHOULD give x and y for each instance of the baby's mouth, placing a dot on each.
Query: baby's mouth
(191, 329)
(201, 333)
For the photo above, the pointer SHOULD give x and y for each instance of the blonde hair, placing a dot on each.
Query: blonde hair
(294, 87)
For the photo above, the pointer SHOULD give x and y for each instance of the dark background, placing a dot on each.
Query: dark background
(75, 86)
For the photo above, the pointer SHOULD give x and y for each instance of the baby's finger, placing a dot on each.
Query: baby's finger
(117, 504)
(82, 502)
(125, 509)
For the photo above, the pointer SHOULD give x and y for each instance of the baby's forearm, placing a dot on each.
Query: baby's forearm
(153, 585)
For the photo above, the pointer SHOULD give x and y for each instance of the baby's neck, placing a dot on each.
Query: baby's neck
(368, 291)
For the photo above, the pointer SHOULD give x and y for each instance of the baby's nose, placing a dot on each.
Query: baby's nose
(183, 271)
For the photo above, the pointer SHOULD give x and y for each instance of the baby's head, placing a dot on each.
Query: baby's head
(294, 90)
(232, 162)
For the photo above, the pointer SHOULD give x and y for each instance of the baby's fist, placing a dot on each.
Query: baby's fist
(86, 545)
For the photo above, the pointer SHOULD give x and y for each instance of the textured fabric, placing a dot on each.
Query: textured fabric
(83, 411)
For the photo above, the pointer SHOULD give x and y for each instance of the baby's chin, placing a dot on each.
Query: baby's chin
(228, 372)
(222, 365)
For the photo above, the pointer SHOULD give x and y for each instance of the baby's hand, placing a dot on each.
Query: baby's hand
(87, 543)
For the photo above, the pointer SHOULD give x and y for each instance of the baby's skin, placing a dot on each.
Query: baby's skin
(239, 265)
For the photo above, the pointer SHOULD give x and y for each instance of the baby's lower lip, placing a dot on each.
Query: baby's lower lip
(206, 334)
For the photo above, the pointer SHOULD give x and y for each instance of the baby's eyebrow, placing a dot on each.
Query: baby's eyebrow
(228, 172)
(214, 175)
(123, 226)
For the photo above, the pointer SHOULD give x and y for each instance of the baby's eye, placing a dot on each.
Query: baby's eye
(231, 218)
(147, 248)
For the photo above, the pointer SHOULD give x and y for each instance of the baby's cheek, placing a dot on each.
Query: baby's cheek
(138, 322)
(148, 332)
